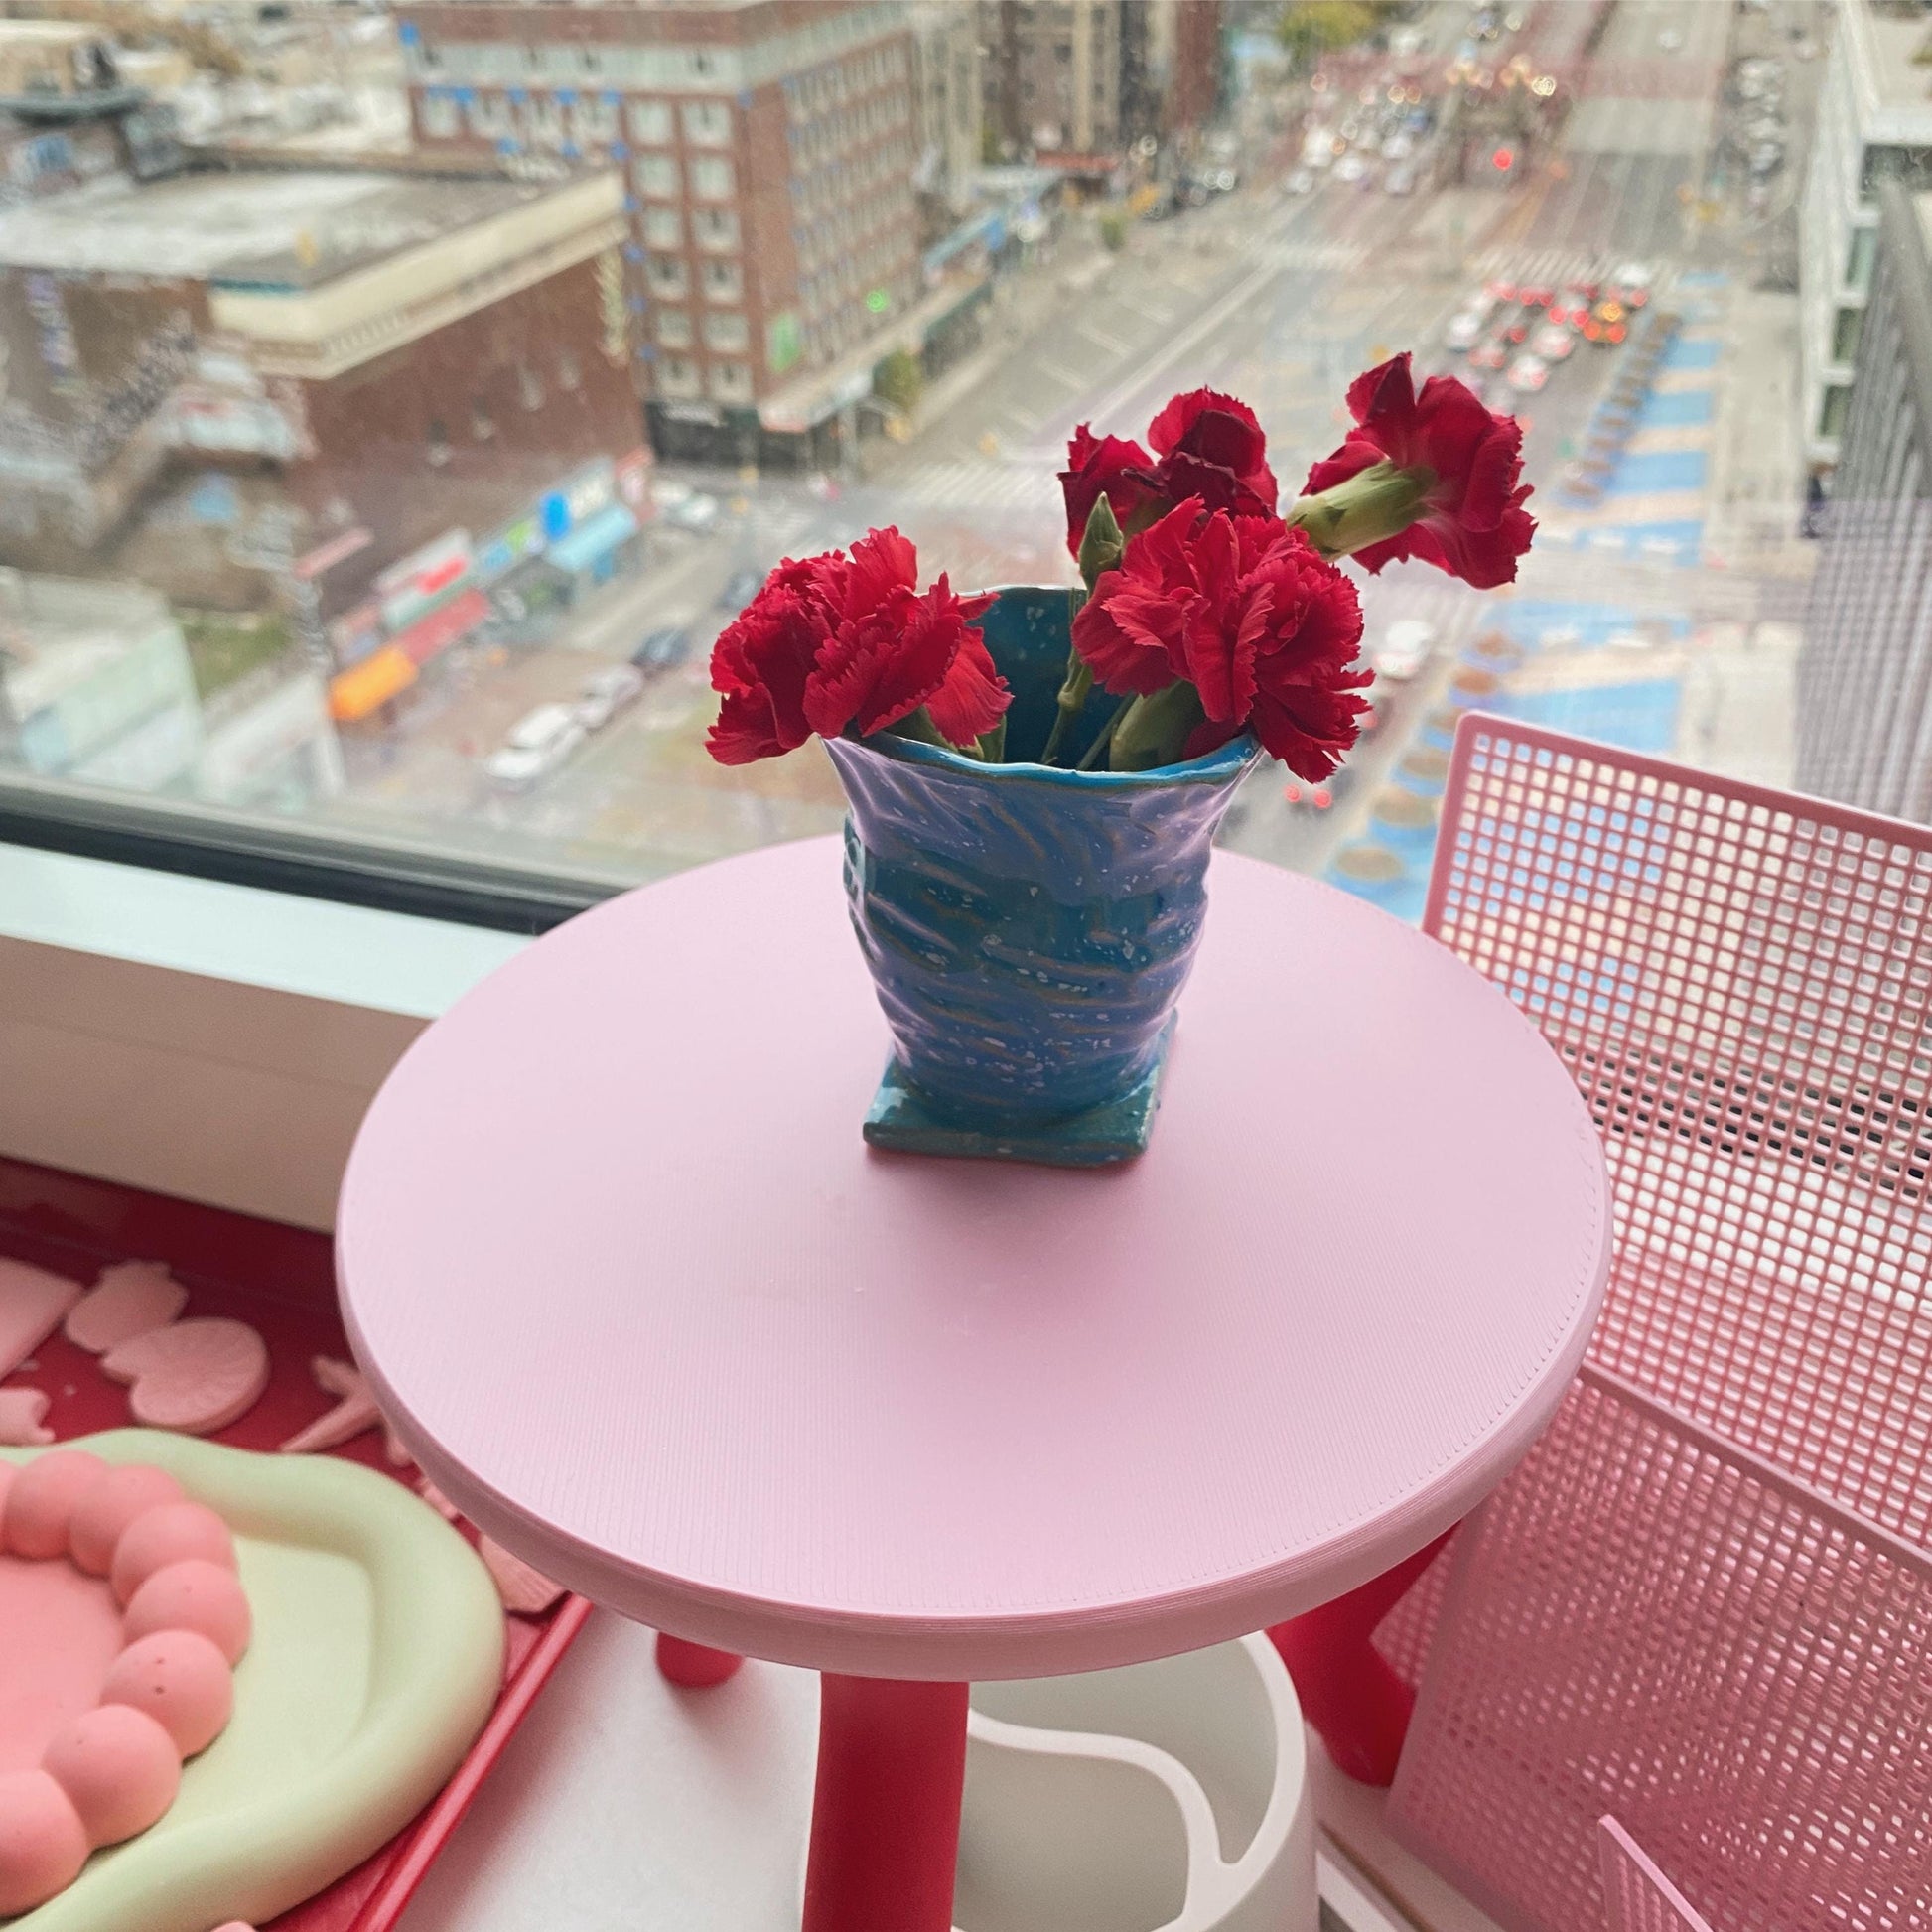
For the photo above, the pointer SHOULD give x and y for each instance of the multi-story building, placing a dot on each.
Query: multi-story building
(1053, 71)
(357, 397)
(946, 110)
(1874, 123)
(768, 152)
(1085, 78)
(1865, 677)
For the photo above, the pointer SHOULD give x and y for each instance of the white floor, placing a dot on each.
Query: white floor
(626, 1806)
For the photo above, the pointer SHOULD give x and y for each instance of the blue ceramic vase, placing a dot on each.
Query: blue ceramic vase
(1029, 927)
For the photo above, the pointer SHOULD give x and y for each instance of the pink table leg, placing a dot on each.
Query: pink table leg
(1359, 1706)
(693, 1666)
(892, 1762)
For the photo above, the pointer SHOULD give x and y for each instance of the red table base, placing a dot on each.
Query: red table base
(693, 1666)
(892, 1762)
(1358, 1706)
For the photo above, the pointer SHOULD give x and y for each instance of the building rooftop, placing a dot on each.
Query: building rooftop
(270, 229)
(1894, 83)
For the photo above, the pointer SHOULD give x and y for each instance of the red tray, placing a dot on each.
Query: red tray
(281, 1281)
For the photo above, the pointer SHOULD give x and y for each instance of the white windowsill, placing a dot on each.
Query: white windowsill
(215, 1041)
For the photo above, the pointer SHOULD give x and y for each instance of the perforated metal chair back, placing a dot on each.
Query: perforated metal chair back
(1703, 1602)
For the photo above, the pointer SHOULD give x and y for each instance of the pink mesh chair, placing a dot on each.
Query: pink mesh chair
(1641, 1898)
(1703, 1603)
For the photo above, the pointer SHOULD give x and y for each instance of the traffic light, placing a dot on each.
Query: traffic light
(1504, 159)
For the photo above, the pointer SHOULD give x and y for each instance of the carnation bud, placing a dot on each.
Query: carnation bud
(1102, 543)
(1374, 505)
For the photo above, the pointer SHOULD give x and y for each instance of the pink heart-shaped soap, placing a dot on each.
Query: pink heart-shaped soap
(130, 1299)
(195, 1376)
(32, 1303)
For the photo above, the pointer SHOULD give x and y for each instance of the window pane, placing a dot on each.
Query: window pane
(349, 413)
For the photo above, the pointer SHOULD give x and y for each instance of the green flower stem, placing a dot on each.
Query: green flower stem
(1153, 731)
(1072, 701)
(1373, 505)
(1105, 737)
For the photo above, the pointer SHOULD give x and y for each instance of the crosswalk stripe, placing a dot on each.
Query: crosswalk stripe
(1333, 256)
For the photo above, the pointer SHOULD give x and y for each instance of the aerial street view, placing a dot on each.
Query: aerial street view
(425, 405)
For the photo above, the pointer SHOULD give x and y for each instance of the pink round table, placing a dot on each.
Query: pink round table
(646, 1306)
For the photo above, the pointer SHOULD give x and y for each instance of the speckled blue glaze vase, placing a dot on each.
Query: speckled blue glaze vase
(1029, 928)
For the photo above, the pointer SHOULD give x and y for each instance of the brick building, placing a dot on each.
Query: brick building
(767, 148)
(360, 397)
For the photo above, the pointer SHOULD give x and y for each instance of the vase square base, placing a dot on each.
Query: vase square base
(902, 1119)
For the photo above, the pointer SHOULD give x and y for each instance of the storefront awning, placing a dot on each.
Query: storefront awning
(597, 538)
(367, 686)
(429, 636)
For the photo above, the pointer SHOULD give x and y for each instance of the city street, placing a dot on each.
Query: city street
(1638, 614)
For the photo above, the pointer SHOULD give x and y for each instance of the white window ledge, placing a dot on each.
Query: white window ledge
(213, 1041)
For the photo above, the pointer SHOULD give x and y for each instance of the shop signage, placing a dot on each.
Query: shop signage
(578, 498)
(507, 548)
(633, 478)
(783, 344)
(423, 579)
(337, 550)
(356, 634)
(707, 413)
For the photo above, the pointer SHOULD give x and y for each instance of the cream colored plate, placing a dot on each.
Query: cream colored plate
(378, 1656)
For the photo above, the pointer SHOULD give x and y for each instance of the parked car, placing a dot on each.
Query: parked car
(1553, 342)
(606, 693)
(539, 741)
(664, 649)
(1492, 352)
(1528, 374)
(1404, 649)
(696, 512)
(740, 588)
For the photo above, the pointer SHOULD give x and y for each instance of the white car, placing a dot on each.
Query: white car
(1528, 374)
(607, 694)
(537, 742)
(1464, 331)
(1398, 180)
(696, 513)
(667, 492)
(1404, 649)
(1553, 342)
(1351, 168)
(1398, 147)
(1300, 182)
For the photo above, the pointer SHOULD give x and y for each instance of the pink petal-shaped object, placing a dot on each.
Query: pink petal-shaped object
(22, 1412)
(32, 1303)
(527, 1592)
(131, 1298)
(354, 1414)
(197, 1376)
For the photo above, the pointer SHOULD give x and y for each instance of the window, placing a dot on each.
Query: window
(707, 123)
(1865, 251)
(670, 280)
(650, 122)
(498, 330)
(715, 227)
(657, 174)
(677, 375)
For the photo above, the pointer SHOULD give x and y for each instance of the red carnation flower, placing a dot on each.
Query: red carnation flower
(1210, 446)
(1472, 523)
(1205, 445)
(1104, 465)
(836, 644)
(1249, 612)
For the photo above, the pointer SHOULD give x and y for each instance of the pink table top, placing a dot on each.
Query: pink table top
(650, 1310)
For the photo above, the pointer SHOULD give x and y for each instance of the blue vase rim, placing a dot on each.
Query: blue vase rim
(1226, 762)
